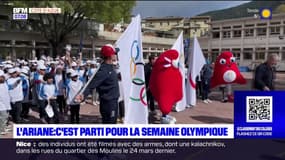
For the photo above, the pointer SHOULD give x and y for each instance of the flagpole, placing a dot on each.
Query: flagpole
(80, 92)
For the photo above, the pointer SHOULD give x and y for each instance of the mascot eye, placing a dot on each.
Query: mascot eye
(222, 61)
(233, 59)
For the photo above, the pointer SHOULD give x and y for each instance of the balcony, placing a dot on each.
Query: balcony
(146, 39)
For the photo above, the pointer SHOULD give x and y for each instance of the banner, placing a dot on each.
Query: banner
(132, 72)
(259, 114)
(124, 131)
(196, 62)
(179, 46)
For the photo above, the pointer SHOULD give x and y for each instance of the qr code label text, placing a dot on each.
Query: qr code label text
(259, 109)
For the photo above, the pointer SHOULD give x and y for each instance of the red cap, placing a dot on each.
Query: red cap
(108, 50)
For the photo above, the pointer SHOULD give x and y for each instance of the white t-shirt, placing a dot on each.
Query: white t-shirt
(59, 84)
(4, 97)
(73, 87)
(16, 93)
(48, 90)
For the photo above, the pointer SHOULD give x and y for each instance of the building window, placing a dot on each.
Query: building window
(225, 49)
(186, 24)
(160, 23)
(236, 53)
(274, 30)
(261, 31)
(249, 32)
(272, 50)
(145, 55)
(247, 53)
(283, 53)
(227, 27)
(237, 26)
(275, 23)
(168, 23)
(227, 34)
(262, 24)
(237, 33)
(259, 53)
(214, 54)
(249, 25)
(216, 34)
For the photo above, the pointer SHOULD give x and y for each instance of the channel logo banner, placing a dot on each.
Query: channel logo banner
(259, 114)
(201, 131)
(265, 13)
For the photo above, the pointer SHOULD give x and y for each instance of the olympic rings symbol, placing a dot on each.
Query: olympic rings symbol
(134, 62)
(133, 67)
(135, 46)
(141, 97)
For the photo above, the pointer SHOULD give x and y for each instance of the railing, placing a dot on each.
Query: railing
(146, 39)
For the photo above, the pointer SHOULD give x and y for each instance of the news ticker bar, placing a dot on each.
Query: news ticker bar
(123, 131)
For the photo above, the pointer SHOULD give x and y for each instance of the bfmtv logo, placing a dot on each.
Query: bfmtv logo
(20, 13)
(20, 10)
(265, 13)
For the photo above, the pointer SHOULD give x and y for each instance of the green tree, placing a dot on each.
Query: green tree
(280, 9)
(55, 28)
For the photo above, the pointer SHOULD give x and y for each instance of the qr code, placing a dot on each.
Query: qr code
(259, 109)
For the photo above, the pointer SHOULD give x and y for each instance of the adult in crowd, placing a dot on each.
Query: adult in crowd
(265, 74)
(106, 83)
(148, 70)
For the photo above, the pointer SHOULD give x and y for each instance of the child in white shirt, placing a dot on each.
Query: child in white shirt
(48, 92)
(73, 87)
(4, 103)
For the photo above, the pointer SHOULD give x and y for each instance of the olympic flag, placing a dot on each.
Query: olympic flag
(132, 72)
(195, 63)
(178, 45)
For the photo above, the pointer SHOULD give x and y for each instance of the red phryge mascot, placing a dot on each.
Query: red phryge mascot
(166, 83)
(226, 71)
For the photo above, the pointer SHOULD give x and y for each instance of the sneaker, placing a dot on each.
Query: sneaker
(3, 133)
(8, 129)
(9, 126)
(166, 120)
(25, 120)
(171, 118)
(209, 101)
(43, 121)
(94, 103)
(153, 112)
(120, 120)
(205, 101)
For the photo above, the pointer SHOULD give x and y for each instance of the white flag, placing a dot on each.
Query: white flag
(178, 45)
(196, 62)
(132, 72)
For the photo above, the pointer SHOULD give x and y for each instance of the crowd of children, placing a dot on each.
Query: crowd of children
(42, 83)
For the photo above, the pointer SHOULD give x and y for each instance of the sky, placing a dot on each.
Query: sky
(180, 8)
